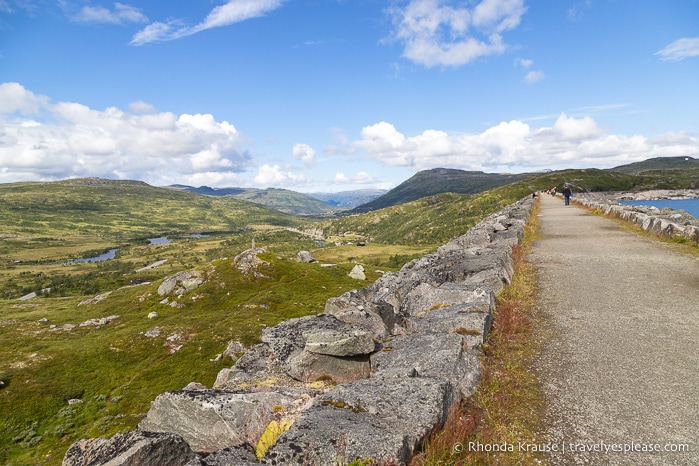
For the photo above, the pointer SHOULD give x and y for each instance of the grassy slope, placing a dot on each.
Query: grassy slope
(439, 180)
(123, 210)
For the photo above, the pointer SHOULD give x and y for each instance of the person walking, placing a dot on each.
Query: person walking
(566, 194)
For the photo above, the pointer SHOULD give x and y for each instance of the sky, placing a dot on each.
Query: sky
(335, 95)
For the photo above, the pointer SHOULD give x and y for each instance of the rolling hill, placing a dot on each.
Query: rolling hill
(439, 180)
(659, 163)
(283, 200)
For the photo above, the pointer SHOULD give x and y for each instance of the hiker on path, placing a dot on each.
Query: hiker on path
(566, 194)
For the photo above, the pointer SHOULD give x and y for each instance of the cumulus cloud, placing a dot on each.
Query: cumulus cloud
(680, 49)
(233, 11)
(358, 178)
(274, 175)
(304, 153)
(46, 141)
(534, 76)
(119, 15)
(439, 33)
(516, 146)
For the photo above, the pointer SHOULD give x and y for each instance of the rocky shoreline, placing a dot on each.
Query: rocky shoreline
(665, 221)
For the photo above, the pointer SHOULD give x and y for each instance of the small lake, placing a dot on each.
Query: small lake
(111, 254)
(160, 240)
(688, 205)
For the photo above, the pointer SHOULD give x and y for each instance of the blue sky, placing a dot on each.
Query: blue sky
(332, 95)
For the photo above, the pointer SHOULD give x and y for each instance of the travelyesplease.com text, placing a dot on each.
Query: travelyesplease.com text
(572, 447)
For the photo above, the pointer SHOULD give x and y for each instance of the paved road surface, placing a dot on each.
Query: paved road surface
(620, 356)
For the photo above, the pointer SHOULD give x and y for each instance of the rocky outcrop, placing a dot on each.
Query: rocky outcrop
(211, 420)
(247, 261)
(370, 377)
(357, 273)
(665, 222)
(181, 283)
(304, 257)
(134, 448)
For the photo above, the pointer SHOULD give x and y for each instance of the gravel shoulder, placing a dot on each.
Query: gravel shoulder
(619, 360)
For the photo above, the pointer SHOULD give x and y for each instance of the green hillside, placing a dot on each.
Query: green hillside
(125, 209)
(659, 163)
(436, 181)
(283, 200)
(287, 201)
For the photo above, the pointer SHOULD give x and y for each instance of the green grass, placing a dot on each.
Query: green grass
(116, 370)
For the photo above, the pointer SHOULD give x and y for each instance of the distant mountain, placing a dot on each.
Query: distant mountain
(658, 163)
(283, 200)
(349, 199)
(207, 191)
(436, 181)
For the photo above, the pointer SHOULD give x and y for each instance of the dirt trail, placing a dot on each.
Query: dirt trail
(620, 355)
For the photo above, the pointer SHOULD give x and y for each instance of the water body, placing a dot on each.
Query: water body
(111, 254)
(688, 205)
(160, 240)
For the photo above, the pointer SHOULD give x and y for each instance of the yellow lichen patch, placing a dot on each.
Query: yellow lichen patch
(434, 307)
(270, 435)
(467, 331)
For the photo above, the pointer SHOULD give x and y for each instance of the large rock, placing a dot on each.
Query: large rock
(374, 419)
(308, 366)
(248, 262)
(134, 448)
(358, 273)
(467, 320)
(181, 283)
(210, 420)
(326, 435)
(305, 257)
(374, 308)
(443, 356)
(242, 455)
(288, 341)
(335, 343)
(425, 298)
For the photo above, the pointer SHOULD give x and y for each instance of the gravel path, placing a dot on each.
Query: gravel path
(620, 353)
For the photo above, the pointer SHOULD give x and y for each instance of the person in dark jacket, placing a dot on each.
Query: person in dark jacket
(566, 194)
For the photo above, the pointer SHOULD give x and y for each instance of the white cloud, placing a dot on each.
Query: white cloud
(141, 107)
(434, 33)
(72, 140)
(680, 49)
(534, 76)
(274, 175)
(515, 146)
(358, 178)
(234, 11)
(304, 153)
(15, 98)
(120, 15)
(523, 62)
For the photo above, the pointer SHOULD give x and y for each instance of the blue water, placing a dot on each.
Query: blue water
(161, 240)
(102, 257)
(688, 205)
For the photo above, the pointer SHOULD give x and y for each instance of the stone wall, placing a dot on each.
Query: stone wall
(369, 378)
(666, 222)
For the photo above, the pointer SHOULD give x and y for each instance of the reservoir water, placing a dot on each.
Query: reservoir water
(688, 205)
(102, 257)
